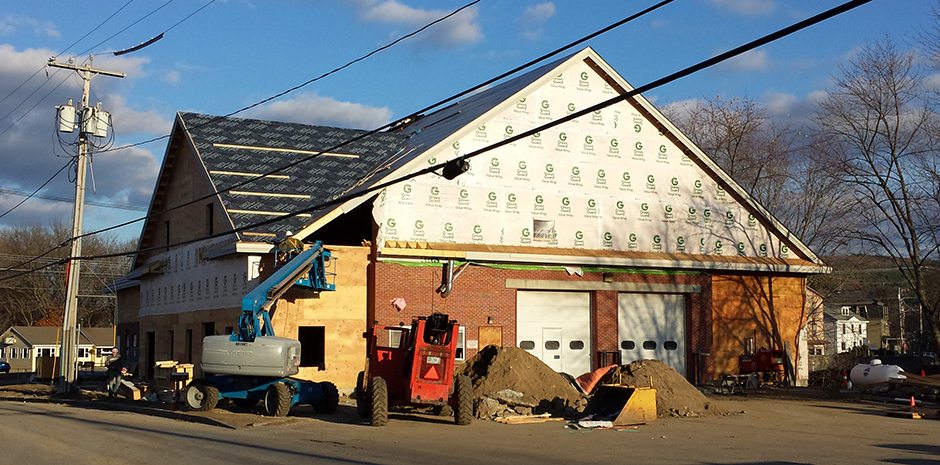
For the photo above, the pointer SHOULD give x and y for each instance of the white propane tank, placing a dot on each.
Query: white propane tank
(866, 374)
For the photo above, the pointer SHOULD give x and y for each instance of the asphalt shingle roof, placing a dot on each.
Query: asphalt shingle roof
(232, 147)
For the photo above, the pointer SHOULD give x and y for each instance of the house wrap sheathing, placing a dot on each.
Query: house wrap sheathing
(609, 238)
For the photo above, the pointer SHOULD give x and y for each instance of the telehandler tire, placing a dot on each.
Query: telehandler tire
(378, 395)
(363, 406)
(463, 400)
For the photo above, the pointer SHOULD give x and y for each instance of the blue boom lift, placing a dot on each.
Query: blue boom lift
(253, 364)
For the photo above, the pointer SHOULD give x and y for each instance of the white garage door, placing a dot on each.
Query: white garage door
(652, 326)
(556, 328)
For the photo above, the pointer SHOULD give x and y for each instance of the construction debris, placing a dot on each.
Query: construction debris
(508, 381)
(675, 396)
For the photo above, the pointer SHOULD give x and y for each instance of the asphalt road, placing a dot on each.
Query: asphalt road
(771, 431)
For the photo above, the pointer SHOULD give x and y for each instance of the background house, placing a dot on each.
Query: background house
(846, 330)
(24, 346)
(611, 238)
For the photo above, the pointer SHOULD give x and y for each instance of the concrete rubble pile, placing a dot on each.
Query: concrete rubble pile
(675, 396)
(509, 381)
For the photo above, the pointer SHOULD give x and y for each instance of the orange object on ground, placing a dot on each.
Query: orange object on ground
(589, 380)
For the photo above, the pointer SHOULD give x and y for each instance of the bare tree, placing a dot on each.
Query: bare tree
(878, 130)
(38, 298)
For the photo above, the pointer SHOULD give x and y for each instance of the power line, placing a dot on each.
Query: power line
(96, 203)
(89, 49)
(126, 223)
(33, 194)
(395, 123)
(310, 81)
(517, 136)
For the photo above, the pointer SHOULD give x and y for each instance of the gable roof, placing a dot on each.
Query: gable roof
(232, 149)
(51, 335)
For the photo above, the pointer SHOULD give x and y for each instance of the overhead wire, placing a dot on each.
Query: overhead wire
(786, 31)
(364, 135)
(126, 223)
(33, 194)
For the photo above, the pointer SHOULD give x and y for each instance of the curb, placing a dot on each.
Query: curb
(118, 406)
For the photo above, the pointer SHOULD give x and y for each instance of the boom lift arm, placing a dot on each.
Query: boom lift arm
(306, 270)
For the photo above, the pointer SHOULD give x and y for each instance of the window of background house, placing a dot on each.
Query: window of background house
(627, 345)
(209, 215)
(208, 329)
(527, 345)
(189, 346)
(312, 346)
(170, 346)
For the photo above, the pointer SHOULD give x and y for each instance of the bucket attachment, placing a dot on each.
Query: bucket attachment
(627, 405)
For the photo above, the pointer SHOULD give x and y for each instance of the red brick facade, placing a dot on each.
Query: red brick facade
(480, 297)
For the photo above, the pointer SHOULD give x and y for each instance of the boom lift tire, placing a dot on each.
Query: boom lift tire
(362, 397)
(463, 400)
(329, 399)
(201, 396)
(277, 400)
(378, 395)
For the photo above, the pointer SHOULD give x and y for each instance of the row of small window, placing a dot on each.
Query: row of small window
(552, 345)
(15, 352)
(649, 345)
(23, 352)
(579, 345)
(164, 294)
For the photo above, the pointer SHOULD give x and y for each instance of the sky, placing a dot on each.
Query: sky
(233, 53)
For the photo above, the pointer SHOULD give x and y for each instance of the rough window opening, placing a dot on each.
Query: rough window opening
(312, 346)
(461, 351)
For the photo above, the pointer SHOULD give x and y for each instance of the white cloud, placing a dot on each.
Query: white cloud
(172, 77)
(311, 108)
(10, 23)
(31, 153)
(932, 82)
(754, 60)
(746, 7)
(460, 29)
(681, 109)
(534, 17)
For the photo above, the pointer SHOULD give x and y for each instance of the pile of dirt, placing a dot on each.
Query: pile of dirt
(675, 396)
(509, 380)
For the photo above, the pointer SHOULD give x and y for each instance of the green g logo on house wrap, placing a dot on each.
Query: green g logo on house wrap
(545, 104)
(491, 196)
(549, 168)
(601, 173)
(657, 239)
(448, 226)
(763, 250)
(638, 146)
(680, 241)
(525, 232)
(456, 145)
(539, 199)
(464, 194)
(562, 136)
(644, 207)
(741, 248)
(406, 188)
(391, 223)
(620, 205)
(522, 165)
(508, 130)
(668, 208)
(718, 244)
(494, 162)
(419, 225)
(626, 176)
(650, 179)
(435, 191)
(707, 213)
(565, 201)
(674, 181)
(578, 235)
(584, 76)
(477, 229)
(608, 237)
(432, 161)
(511, 197)
(588, 140)
(632, 239)
(614, 143)
(571, 107)
(575, 170)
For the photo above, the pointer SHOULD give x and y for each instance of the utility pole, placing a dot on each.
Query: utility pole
(90, 118)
